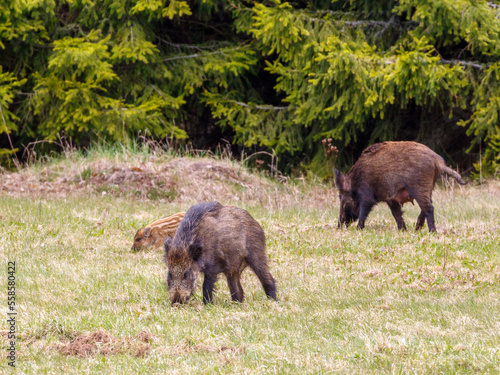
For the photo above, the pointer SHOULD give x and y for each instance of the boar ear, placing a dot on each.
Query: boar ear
(167, 243)
(147, 232)
(195, 250)
(339, 179)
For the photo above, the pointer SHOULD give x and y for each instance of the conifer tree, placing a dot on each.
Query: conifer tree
(349, 68)
(277, 75)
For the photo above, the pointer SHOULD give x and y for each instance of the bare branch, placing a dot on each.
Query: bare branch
(391, 22)
(196, 55)
(189, 56)
(464, 63)
(472, 64)
(364, 23)
(385, 24)
(198, 47)
(263, 107)
(495, 6)
(352, 23)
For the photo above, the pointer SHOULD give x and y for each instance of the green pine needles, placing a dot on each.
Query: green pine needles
(280, 75)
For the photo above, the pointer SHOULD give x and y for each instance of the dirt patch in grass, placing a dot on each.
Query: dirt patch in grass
(180, 179)
(103, 343)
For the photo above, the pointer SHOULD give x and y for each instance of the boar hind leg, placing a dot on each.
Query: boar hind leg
(233, 281)
(427, 213)
(208, 288)
(269, 285)
(430, 219)
(398, 214)
(420, 221)
(259, 266)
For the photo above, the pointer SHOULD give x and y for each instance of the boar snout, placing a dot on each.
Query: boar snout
(177, 298)
(181, 284)
(343, 221)
(346, 220)
(348, 214)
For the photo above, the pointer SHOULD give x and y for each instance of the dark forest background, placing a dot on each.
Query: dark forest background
(253, 76)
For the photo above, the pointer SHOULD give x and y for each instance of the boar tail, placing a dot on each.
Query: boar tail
(453, 173)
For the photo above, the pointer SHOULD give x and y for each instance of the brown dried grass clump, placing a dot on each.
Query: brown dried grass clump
(102, 343)
(164, 178)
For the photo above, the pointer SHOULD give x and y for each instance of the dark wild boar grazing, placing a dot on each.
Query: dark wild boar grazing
(214, 239)
(395, 173)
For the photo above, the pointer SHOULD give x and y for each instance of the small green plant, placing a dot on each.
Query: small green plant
(160, 193)
(86, 174)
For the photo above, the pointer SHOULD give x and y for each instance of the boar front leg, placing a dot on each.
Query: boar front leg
(208, 287)
(364, 209)
(398, 214)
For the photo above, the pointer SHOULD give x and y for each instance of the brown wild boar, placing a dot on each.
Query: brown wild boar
(214, 239)
(395, 173)
(154, 234)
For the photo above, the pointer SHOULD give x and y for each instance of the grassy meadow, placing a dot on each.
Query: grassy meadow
(364, 302)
